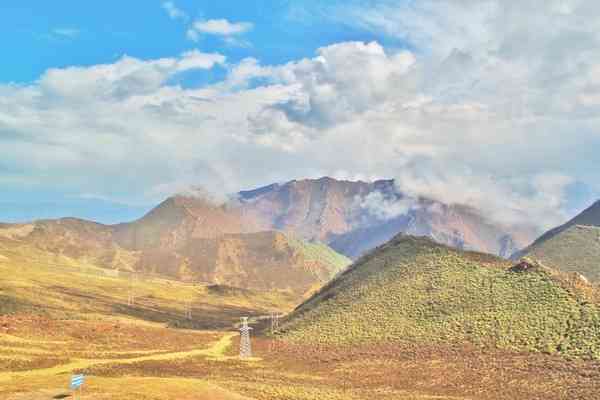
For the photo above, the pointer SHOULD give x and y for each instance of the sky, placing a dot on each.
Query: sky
(107, 108)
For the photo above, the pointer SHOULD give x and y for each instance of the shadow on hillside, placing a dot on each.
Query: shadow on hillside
(204, 316)
(11, 305)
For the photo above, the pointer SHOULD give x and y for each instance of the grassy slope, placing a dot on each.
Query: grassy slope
(32, 281)
(412, 290)
(259, 261)
(575, 249)
(319, 252)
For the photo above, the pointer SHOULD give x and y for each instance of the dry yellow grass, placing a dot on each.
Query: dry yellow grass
(129, 388)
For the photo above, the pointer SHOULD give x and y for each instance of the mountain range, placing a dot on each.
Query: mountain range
(293, 236)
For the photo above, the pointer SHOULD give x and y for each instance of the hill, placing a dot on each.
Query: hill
(258, 261)
(572, 247)
(412, 290)
(35, 282)
(262, 261)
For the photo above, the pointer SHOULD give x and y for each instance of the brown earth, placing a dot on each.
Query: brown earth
(282, 370)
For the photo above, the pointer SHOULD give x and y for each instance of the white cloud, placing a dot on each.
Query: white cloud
(501, 117)
(222, 27)
(195, 59)
(229, 31)
(343, 80)
(173, 11)
(127, 77)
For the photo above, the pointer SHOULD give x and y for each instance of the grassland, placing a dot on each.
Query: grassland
(316, 251)
(40, 283)
(209, 369)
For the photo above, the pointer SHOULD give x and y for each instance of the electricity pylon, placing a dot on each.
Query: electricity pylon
(245, 347)
(274, 323)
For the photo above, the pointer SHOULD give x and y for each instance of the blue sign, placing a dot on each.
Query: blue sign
(77, 381)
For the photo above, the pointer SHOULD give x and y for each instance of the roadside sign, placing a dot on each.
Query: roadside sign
(77, 381)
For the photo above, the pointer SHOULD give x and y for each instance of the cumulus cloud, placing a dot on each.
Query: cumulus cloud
(126, 77)
(229, 32)
(500, 113)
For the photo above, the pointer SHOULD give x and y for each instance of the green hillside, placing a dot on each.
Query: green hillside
(575, 249)
(321, 253)
(412, 290)
(571, 247)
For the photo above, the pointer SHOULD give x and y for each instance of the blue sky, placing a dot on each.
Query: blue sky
(61, 33)
(106, 108)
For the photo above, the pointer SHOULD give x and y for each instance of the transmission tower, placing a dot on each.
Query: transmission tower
(245, 348)
(274, 323)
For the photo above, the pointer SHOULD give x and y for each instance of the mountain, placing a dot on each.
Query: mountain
(413, 290)
(574, 246)
(355, 217)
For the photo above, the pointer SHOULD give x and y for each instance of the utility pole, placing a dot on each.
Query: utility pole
(245, 347)
(274, 329)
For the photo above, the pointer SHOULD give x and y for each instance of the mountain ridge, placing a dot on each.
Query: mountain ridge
(350, 216)
(571, 247)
